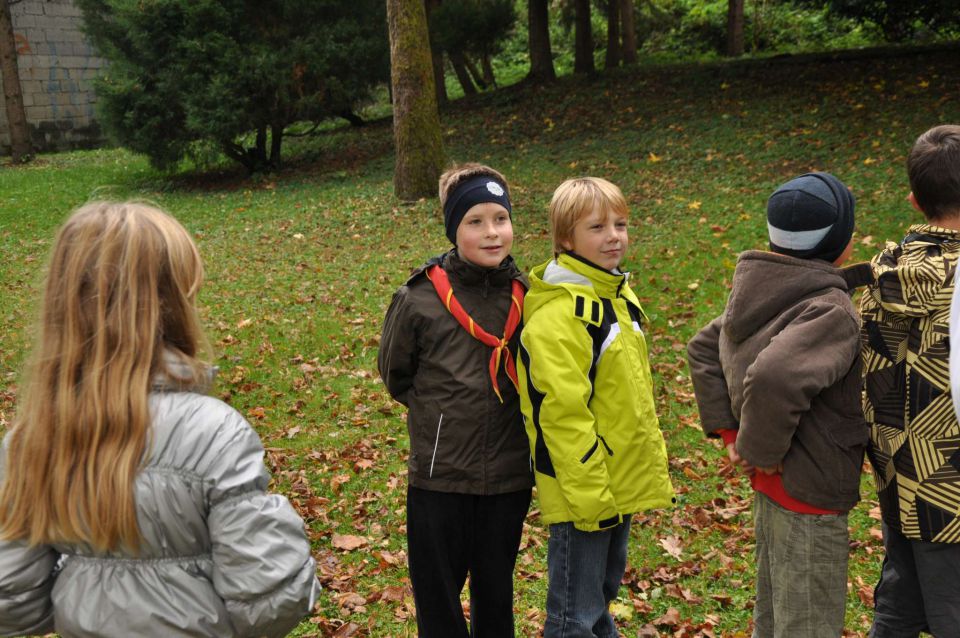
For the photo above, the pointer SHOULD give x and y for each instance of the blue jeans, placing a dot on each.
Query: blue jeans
(584, 570)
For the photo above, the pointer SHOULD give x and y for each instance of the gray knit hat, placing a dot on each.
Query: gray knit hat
(811, 217)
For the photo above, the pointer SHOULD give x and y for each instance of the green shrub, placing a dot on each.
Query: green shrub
(185, 73)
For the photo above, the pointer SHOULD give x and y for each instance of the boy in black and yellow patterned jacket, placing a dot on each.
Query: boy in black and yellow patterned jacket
(915, 436)
(587, 400)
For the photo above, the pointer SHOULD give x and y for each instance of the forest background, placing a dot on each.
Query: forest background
(303, 255)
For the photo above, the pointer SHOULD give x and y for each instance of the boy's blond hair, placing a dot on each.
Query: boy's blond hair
(462, 172)
(933, 167)
(575, 199)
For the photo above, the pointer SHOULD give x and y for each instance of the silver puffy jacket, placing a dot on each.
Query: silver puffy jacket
(219, 557)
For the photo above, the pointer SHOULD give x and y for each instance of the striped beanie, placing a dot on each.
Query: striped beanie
(811, 217)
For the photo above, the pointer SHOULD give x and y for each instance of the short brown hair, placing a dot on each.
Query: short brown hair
(575, 199)
(461, 172)
(934, 170)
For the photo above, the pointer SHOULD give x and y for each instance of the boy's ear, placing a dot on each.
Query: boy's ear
(913, 202)
(567, 244)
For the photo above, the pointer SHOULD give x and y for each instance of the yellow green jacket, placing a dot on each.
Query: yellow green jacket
(587, 397)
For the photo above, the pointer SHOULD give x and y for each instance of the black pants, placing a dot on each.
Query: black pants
(450, 535)
(919, 589)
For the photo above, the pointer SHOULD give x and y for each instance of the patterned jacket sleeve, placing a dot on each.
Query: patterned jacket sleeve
(263, 568)
(27, 575)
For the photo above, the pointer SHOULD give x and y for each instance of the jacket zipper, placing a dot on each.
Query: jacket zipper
(586, 457)
(435, 444)
(607, 447)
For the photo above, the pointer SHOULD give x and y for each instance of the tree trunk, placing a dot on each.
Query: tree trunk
(276, 141)
(628, 28)
(439, 77)
(416, 123)
(541, 57)
(474, 72)
(20, 144)
(487, 67)
(260, 152)
(613, 56)
(436, 54)
(734, 28)
(583, 52)
(459, 64)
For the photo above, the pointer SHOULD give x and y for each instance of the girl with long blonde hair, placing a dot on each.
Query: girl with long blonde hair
(131, 502)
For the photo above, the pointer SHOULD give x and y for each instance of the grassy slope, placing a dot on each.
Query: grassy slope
(301, 266)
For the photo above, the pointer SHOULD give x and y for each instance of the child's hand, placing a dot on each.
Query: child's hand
(773, 469)
(738, 460)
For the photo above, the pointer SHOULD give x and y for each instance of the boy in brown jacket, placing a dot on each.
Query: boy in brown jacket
(447, 354)
(777, 376)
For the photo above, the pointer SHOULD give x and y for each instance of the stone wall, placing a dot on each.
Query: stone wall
(57, 68)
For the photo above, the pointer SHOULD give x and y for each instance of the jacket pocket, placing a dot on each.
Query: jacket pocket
(849, 434)
(422, 421)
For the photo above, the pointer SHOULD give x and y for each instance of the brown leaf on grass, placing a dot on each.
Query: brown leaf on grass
(670, 619)
(877, 533)
(676, 591)
(389, 558)
(348, 542)
(648, 631)
(864, 592)
(347, 631)
(690, 474)
(641, 606)
(723, 599)
(351, 599)
(362, 464)
(672, 546)
(393, 593)
(337, 482)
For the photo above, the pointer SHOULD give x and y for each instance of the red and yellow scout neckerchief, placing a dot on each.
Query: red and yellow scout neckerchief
(438, 277)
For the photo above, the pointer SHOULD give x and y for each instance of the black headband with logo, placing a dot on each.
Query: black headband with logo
(467, 194)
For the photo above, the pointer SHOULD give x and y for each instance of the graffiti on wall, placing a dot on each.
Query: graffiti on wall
(23, 45)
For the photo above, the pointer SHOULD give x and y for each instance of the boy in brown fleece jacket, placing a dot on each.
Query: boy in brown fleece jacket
(777, 376)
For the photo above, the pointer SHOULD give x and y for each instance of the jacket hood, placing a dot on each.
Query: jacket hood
(908, 267)
(765, 284)
(570, 274)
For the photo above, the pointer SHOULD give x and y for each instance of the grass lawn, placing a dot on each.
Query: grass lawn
(301, 265)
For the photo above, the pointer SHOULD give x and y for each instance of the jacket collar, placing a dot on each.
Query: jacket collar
(472, 275)
(179, 373)
(571, 268)
(935, 231)
(464, 273)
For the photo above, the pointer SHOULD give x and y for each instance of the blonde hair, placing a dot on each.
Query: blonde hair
(120, 292)
(462, 172)
(577, 198)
